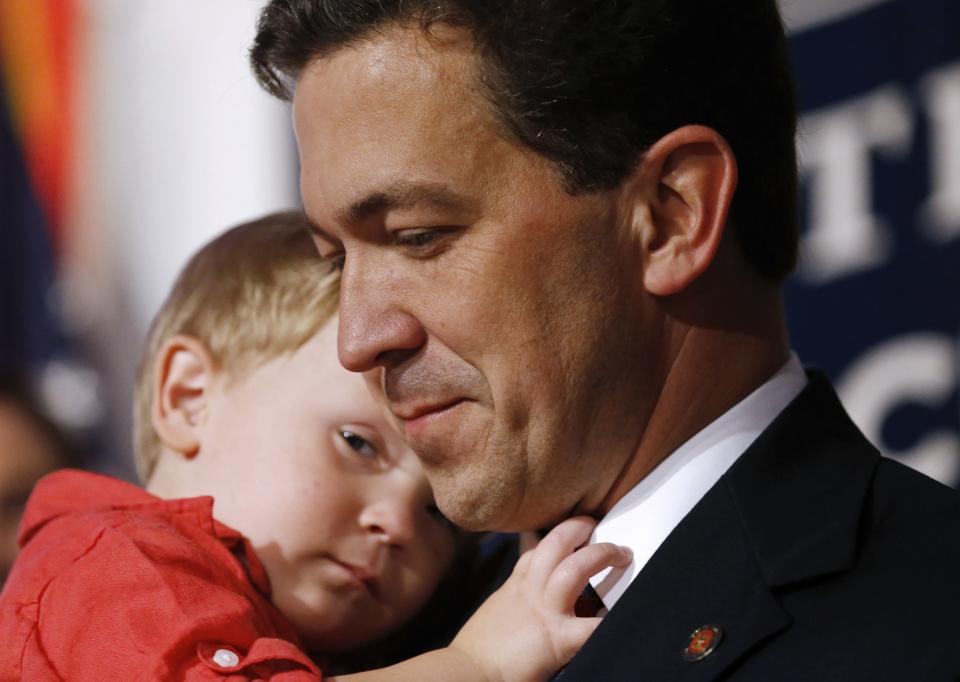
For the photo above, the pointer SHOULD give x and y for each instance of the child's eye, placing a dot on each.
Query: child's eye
(434, 511)
(359, 444)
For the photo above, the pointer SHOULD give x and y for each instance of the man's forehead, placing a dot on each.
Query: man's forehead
(400, 59)
(391, 122)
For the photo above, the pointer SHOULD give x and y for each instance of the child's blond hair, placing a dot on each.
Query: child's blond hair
(257, 291)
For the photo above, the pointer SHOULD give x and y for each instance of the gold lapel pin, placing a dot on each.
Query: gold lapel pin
(702, 642)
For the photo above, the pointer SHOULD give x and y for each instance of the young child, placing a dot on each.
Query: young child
(281, 514)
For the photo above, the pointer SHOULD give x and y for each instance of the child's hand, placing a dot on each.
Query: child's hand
(526, 630)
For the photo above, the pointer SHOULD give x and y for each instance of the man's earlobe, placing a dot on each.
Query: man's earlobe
(690, 176)
(182, 373)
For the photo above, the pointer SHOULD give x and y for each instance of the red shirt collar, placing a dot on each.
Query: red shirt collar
(70, 491)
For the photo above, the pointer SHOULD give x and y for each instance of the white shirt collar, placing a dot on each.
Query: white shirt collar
(644, 517)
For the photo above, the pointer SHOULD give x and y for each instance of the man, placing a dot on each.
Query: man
(562, 227)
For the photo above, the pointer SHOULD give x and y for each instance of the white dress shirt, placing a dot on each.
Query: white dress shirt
(646, 515)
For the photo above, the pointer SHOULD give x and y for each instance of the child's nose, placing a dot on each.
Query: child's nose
(391, 520)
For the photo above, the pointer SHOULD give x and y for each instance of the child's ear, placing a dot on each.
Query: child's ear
(688, 179)
(182, 374)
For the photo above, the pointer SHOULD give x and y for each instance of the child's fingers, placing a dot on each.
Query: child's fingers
(558, 544)
(573, 635)
(571, 575)
(528, 540)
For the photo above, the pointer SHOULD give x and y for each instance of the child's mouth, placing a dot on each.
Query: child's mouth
(360, 576)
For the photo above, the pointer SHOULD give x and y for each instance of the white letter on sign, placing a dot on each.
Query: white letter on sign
(835, 147)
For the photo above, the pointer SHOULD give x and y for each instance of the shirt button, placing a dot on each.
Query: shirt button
(225, 658)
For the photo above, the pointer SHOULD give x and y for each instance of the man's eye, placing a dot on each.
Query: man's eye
(434, 511)
(337, 260)
(417, 238)
(359, 444)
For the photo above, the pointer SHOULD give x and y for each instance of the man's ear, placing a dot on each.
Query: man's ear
(182, 374)
(684, 184)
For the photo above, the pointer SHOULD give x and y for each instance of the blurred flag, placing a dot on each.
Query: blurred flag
(37, 124)
(35, 151)
(37, 39)
(30, 331)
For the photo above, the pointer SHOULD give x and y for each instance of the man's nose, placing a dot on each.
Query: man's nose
(374, 331)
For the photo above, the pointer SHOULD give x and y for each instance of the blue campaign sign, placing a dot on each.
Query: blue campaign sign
(875, 300)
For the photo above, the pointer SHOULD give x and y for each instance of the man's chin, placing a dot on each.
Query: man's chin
(478, 503)
(468, 506)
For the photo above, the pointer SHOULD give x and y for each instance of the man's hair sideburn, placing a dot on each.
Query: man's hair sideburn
(591, 84)
(257, 291)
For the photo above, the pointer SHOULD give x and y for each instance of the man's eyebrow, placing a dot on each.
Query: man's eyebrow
(403, 195)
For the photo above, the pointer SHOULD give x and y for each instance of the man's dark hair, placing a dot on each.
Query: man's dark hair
(591, 84)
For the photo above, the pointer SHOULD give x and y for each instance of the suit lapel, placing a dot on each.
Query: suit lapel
(787, 511)
(705, 573)
(800, 488)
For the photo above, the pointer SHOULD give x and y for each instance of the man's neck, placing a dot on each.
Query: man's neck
(644, 517)
(713, 369)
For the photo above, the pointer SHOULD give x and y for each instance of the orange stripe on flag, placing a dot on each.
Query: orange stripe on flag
(36, 47)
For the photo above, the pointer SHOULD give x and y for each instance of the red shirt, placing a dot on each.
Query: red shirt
(116, 584)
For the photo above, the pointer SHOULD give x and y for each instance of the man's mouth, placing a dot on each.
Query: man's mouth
(417, 418)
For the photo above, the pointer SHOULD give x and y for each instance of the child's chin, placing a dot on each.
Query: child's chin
(347, 638)
(330, 626)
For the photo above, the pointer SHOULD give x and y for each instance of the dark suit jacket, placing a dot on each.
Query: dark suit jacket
(819, 560)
